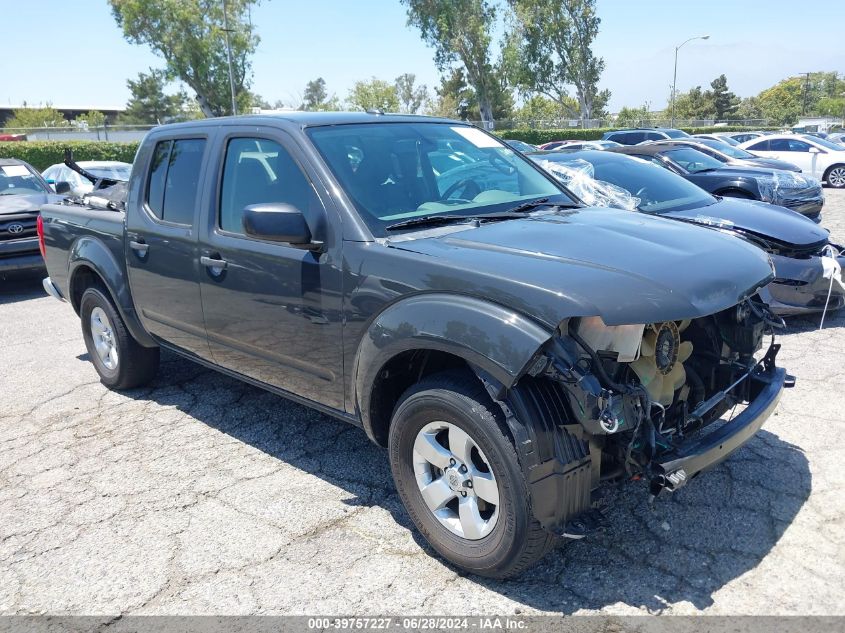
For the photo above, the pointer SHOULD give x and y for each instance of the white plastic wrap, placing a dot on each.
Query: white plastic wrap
(578, 176)
(778, 186)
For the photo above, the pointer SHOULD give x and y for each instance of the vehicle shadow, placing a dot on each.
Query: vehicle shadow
(683, 550)
(21, 289)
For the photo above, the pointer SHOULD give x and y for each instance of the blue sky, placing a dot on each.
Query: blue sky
(76, 57)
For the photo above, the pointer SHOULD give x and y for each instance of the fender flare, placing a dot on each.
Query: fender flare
(90, 252)
(496, 340)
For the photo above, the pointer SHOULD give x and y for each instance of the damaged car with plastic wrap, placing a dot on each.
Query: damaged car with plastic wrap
(512, 349)
(808, 265)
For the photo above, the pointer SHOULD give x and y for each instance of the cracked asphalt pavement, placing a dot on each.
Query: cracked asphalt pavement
(204, 495)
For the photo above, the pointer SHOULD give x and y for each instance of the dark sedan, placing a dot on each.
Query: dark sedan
(788, 189)
(733, 156)
(22, 192)
(795, 244)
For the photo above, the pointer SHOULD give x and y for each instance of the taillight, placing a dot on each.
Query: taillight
(39, 227)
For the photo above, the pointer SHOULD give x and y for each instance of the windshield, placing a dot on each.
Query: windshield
(113, 172)
(658, 189)
(402, 171)
(726, 149)
(19, 180)
(692, 160)
(823, 142)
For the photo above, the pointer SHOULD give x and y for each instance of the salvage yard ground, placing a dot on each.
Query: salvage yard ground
(205, 495)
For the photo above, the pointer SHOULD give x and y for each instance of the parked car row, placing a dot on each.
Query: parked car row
(795, 244)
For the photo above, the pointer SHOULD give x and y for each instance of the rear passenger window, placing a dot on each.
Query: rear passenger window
(258, 170)
(762, 146)
(174, 179)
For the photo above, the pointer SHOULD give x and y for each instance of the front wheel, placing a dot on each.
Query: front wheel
(836, 177)
(457, 473)
(119, 359)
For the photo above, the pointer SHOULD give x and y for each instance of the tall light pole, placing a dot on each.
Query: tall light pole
(229, 57)
(675, 77)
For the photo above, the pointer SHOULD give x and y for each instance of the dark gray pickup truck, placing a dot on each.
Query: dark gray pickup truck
(420, 279)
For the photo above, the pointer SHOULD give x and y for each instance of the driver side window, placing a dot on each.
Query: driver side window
(258, 170)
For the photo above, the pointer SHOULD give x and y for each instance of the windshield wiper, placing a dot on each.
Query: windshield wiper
(428, 220)
(531, 205)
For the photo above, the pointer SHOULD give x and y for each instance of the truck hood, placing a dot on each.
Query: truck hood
(768, 163)
(22, 203)
(624, 267)
(760, 218)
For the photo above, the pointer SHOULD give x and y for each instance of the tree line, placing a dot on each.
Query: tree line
(544, 54)
(490, 54)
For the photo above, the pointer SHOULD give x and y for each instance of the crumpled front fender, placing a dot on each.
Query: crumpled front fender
(495, 339)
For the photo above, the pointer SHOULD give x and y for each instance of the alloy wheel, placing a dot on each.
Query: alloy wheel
(104, 339)
(836, 177)
(456, 481)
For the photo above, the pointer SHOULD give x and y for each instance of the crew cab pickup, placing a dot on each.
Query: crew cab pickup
(420, 279)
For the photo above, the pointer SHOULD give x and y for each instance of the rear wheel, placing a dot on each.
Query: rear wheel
(836, 177)
(118, 358)
(457, 472)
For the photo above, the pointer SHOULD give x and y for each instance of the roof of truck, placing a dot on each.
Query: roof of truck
(310, 119)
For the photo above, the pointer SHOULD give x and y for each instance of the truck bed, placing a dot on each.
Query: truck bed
(70, 230)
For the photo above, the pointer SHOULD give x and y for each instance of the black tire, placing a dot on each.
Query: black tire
(136, 365)
(517, 540)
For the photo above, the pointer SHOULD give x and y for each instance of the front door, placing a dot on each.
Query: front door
(272, 311)
(162, 245)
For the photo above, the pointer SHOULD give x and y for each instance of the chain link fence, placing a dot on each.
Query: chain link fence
(587, 124)
(117, 133)
(113, 133)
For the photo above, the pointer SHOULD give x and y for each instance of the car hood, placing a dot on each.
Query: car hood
(770, 163)
(23, 203)
(624, 267)
(759, 218)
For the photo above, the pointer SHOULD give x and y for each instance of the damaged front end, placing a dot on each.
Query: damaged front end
(644, 400)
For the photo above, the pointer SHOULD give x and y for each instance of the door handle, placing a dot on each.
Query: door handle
(139, 247)
(211, 262)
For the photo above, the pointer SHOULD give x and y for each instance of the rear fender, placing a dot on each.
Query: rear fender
(492, 339)
(89, 252)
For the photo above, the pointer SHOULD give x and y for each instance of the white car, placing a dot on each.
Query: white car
(815, 156)
(61, 173)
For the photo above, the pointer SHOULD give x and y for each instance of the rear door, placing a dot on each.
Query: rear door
(272, 310)
(162, 250)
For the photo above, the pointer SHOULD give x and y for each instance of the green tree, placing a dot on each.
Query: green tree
(316, 98)
(783, 102)
(92, 118)
(411, 96)
(190, 36)
(550, 49)
(460, 31)
(725, 103)
(749, 108)
(46, 116)
(541, 109)
(454, 89)
(374, 94)
(695, 104)
(148, 103)
(633, 117)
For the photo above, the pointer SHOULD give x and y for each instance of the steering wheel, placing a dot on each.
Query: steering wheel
(641, 192)
(471, 189)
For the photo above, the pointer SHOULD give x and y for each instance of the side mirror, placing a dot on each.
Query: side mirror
(278, 222)
(63, 187)
(815, 150)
